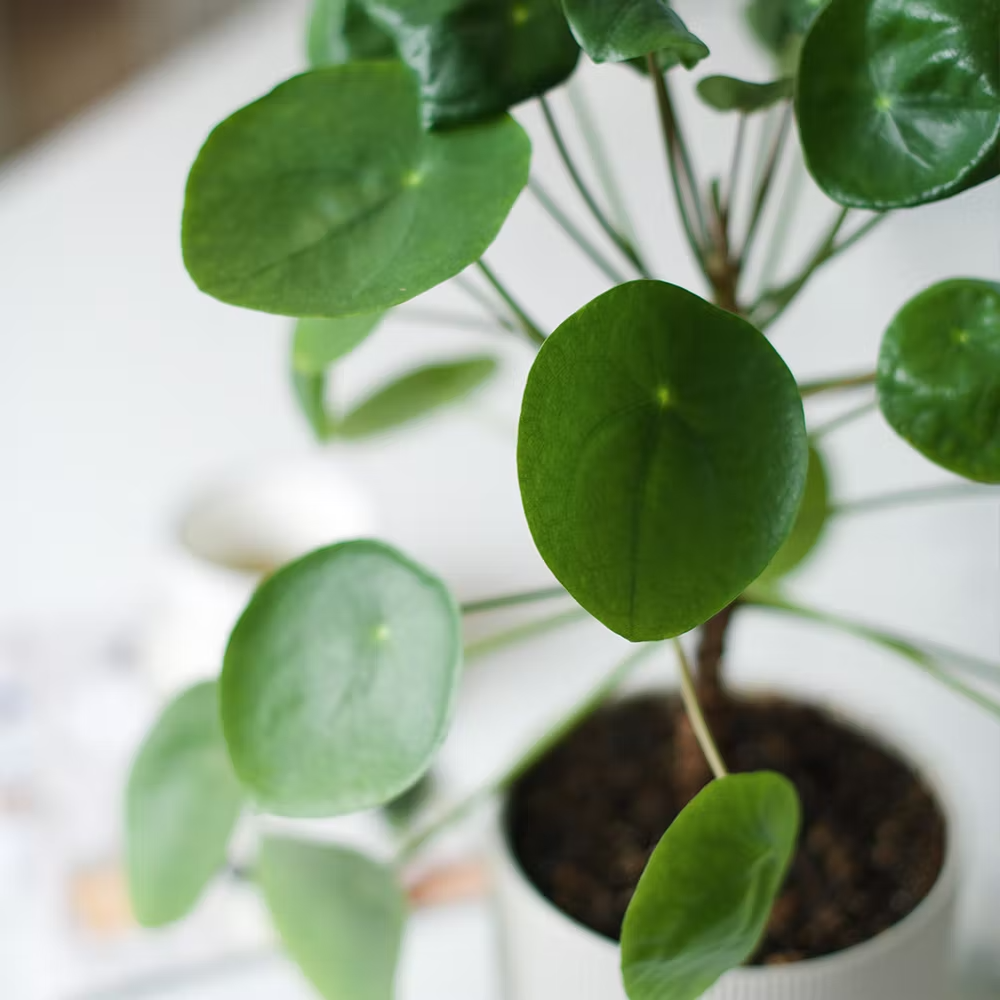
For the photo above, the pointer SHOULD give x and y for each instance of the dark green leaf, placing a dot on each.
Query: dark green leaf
(662, 457)
(726, 93)
(703, 902)
(340, 679)
(341, 31)
(809, 525)
(182, 802)
(327, 198)
(899, 103)
(781, 24)
(477, 58)
(415, 395)
(320, 342)
(615, 32)
(310, 394)
(939, 376)
(339, 914)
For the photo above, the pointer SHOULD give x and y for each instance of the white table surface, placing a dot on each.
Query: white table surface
(122, 390)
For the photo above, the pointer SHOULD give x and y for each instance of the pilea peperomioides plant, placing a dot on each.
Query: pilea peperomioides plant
(665, 467)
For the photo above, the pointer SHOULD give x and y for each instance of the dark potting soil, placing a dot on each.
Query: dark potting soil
(585, 819)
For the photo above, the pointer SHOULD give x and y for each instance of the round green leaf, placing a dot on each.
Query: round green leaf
(415, 395)
(477, 58)
(341, 31)
(662, 457)
(317, 343)
(726, 93)
(616, 32)
(340, 916)
(939, 376)
(181, 804)
(339, 680)
(327, 198)
(703, 902)
(899, 103)
(809, 524)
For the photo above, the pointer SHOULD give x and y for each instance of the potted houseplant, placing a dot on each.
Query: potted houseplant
(668, 480)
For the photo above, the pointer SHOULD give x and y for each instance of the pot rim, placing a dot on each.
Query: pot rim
(940, 896)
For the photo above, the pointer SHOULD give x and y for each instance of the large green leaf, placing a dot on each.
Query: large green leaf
(809, 524)
(327, 198)
(340, 916)
(317, 343)
(726, 93)
(181, 804)
(662, 457)
(477, 58)
(939, 376)
(414, 395)
(339, 680)
(629, 29)
(703, 902)
(899, 103)
(341, 31)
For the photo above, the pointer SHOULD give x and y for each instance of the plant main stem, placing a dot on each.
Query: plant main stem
(711, 647)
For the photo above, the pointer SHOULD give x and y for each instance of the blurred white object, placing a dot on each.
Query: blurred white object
(231, 536)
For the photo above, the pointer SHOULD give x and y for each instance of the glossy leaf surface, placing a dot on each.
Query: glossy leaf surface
(415, 395)
(477, 58)
(899, 103)
(181, 805)
(809, 524)
(339, 680)
(726, 93)
(939, 376)
(662, 457)
(341, 31)
(703, 902)
(340, 916)
(319, 342)
(615, 32)
(327, 198)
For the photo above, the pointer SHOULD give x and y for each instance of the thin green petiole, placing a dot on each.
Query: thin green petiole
(583, 710)
(527, 325)
(843, 420)
(569, 228)
(510, 600)
(917, 495)
(695, 715)
(807, 389)
(765, 185)
(520, 633)
(485, 302)
(616, 237)
(440, 317)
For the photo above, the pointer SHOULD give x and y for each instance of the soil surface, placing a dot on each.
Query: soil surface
(584, 821)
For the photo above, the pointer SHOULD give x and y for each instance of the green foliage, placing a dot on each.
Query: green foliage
(327, 198)
(809, 524)
(181, 804)
(339, 914)
(339, 680)
(310, 394)
(477, 58)
(899, 103)
(780, 25)
(939, 376)
(726, 93)
(629, 30)
(703, 902)
(317, 343)
(341, 31)
(662, 457)
(415, 395)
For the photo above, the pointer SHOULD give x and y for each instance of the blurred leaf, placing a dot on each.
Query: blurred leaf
(939, 376)
(339, 681)
(629, 30)
(782, 24)
(477, 58)
(182, 803)
(726, 93)
(319, 342)
(327, 198)
(899, 103)
(341, 31)
(662, 457)
(703, 902)
(340, 916)
(415, 395)
(310, 394)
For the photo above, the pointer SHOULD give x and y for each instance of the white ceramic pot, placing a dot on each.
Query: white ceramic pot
(225, 541)
(549, 956)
